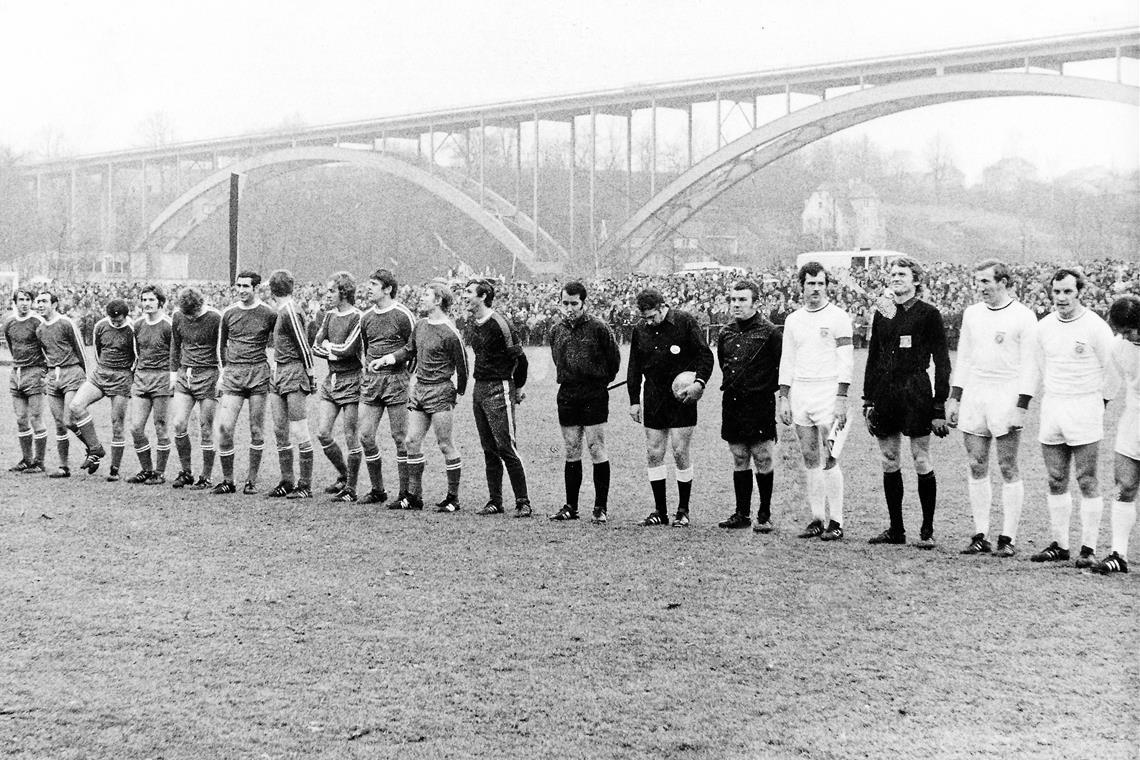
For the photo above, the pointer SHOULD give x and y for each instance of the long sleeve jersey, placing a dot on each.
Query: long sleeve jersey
(290, 338)
(906, 344)
(748, 352)
(245, 332)
(817, 346)
(194, 340)
(584, 351)
(1073, 356)
(114, 346)
(342, 331)
(385, 331)
(498, 354)
(27, 351)
(62, 345)
(997, 345)
(152, 343)
(658, 353)
(439, 353)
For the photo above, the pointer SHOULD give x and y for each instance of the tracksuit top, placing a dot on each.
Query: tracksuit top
(905, 344)
(749, 354)
(62, 345)
(194, 340)
(27, 351)
(152, 343)
(290, 338)
(584, 351)
(114, 346)
(245, 332)
(342, 331)
(498, 355)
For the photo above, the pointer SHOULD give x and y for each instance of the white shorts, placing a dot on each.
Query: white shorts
(987, 408)
(813, 402)
(1128, 432)
(1071, 420)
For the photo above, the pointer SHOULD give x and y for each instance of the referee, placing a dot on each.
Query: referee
(665, 343)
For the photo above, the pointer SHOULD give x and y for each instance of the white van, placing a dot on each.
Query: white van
(862, 258)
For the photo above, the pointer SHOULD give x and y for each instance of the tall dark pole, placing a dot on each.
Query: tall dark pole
(235, 185)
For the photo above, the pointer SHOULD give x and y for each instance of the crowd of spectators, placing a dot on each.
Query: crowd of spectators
(533, 307)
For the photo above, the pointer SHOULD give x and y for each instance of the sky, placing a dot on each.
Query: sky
(87, 74)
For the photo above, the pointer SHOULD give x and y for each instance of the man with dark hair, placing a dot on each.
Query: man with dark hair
(1124, 318)
(151, 389)
(292, 383)
(66, 371)
(665, 343)
(587, 359)
(384, 328)
(243, 339)
(194, 367)
(748, 350)
(995, 378)
(815, 376)
(907, 334)
(114, 339)
(1073, 350)
(500, 374)
(338, 342)
(27, 381)
(439, 354)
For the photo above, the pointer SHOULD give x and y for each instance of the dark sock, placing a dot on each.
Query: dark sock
(893, 491)
(227, 460)
(207, 461)
(927, 497)
(658, 487)
(601, 485)
(254, 462)
(182, 443)
(764, 481)
(454, 470)
(285, 461)
(572, 475)
(375, 466)
(117, 448)
(684, 488)
(742, 487)
(144, 458)
(305, 464)
(162, 453)
(336, 458)
(354, 457)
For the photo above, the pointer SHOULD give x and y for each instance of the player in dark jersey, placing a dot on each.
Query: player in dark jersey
(151, 390)
(438, 352)
(114, 339)
(292, 383)
(244, 335)
(500, 373)
(66, 370)
(194, 367)
(27, 381)
(384, 328)
(338, 342)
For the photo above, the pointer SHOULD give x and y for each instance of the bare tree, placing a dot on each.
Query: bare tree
(156, 130)
(940, 163)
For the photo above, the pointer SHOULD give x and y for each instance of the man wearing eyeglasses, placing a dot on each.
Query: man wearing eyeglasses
(665, 343)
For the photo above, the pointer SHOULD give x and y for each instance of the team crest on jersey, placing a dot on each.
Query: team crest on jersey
(999, 337)
(825, 332)
(1080, 347)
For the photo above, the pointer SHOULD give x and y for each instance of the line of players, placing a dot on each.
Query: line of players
(800, 374)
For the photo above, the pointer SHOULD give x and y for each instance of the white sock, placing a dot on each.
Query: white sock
(1012, 499)
(1091, 510)
(1123, 517)
(657, 473)
(981, 497)
(813, 477)
(1060, 513)
(833, 485)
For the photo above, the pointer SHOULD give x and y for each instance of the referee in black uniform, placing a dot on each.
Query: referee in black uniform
(587, 359)
(665, 343)
(906, 335)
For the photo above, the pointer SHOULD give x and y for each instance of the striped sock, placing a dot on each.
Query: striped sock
(305, 463)
(415, 467)
(25, 438)
(117, 448)
(162, 449)
(255, 450)
(143, 453)
(354, 458)
(453, 468)
(207, 460)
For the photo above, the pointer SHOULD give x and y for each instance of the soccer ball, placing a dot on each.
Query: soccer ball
(683, 381)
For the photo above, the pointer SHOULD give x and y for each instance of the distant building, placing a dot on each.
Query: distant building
(842, 216)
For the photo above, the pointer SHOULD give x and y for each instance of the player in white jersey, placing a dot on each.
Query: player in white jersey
(1073, 347)
(815, 373)
(995, 377)
(1124, 317)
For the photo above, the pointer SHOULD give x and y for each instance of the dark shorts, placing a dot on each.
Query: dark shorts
(433, 398)
(61, 380)
(291, 378)
(660, 409)
(151, 383)
(904, 405)
(583, 405)
(199, 383)
(245, 380)
(748, 418)
(385, 388)
(341, 388)
(26, 382)
(113, 382)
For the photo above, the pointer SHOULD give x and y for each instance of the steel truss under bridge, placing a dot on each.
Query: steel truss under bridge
(655, 222)
(500, 218)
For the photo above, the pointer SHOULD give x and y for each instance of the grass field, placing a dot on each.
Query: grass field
(146, 622)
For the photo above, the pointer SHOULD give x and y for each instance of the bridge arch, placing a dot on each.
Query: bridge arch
(181, 217)
(702, 183)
